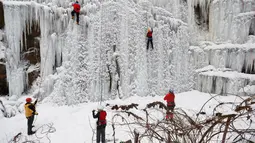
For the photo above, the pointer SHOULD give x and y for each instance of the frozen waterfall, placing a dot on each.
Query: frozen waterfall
(106, 57)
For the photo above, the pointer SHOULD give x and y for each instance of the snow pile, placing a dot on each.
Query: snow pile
(10, 107)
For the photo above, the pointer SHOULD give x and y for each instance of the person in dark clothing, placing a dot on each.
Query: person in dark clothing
(30, 112)
(149, 36)
(76, 10)
(101, 123)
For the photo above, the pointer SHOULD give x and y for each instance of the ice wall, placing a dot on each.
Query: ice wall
(52, 23)
(224, 82)
(106, 57)
(238, 57)
(221, 20)
(232, 67)
(227, 26)
(109, 57)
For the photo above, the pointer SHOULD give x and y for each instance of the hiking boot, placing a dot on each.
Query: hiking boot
(77, 23)
(31, 133)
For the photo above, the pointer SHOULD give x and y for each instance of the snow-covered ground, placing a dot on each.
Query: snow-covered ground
(73, 123)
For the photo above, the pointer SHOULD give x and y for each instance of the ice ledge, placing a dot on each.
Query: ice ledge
(223, 82)
(229, 74)
(17, 2)
(247, 46)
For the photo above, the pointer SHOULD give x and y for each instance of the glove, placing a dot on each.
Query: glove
(36, 113)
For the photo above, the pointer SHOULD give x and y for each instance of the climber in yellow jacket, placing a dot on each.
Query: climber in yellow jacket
(30, 112)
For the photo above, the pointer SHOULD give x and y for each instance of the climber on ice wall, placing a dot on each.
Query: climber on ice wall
(169, 97)
(149, 36)
(76, 10)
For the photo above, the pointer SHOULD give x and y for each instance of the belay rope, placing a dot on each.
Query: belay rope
(42, 132)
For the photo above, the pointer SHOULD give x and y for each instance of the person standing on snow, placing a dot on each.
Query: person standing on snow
(149, 36)
(101, 123)
(76, 10)
(169, 97)
(30, 112)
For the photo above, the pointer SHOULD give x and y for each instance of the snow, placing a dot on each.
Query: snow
(33, 68)
(72, 123)
(2, 50)
(230, 74)
(247, 90)
(207, 68)
(1, 35)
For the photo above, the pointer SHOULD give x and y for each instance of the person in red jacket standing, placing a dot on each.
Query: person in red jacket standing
(101, 123)
(169, 97)
(76, 10)
(149, 36)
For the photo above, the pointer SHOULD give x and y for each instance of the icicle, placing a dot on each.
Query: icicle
(14, 34)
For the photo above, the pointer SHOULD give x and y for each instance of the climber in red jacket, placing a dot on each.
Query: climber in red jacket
(149, 36)
(76, 10)
(170, 104)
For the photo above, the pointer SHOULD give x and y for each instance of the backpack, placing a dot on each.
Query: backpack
(102, 118)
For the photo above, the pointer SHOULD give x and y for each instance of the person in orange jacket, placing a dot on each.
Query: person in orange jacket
(76, 10)
(30, 112)
(169, 97)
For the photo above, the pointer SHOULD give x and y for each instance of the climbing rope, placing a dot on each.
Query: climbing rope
(42, 132)
(45, 130)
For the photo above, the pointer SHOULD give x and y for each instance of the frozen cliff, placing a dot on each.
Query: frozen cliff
(105, 56)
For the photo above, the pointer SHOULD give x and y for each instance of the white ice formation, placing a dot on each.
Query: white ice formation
(106, 57)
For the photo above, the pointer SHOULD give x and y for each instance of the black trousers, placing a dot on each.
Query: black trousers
(148, 43)
(77, 15)
(30, 121)
(101, 135)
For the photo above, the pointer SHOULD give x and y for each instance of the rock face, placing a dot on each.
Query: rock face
(3, 81)
(31, 50)
(1, 15)
(32, 76)
(31, 44)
